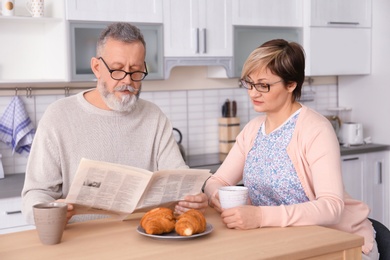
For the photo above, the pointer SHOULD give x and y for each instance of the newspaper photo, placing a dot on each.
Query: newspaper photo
(107, 188)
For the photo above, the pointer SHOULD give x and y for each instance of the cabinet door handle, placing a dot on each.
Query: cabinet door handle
(350, 159)
(13, 212)
(197, 40)
(379, 167)
(204, 41)
(344, 23)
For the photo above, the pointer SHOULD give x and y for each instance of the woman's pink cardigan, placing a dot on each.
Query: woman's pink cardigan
(315, 152)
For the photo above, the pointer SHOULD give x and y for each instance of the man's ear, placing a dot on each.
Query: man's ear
(95, 66)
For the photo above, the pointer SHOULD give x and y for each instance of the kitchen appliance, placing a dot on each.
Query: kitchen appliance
(336, 123)
(181, 147)
(351, 133)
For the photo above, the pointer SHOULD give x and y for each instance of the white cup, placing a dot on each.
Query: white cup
(35, 7)
(8, 7)
(233, 196)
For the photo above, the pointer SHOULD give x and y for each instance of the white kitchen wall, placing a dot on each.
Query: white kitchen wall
(194, 112)
(369, 95)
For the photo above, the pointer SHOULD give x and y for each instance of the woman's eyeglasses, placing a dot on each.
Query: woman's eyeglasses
(261, 87)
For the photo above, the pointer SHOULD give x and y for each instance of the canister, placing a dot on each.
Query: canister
(229, 128)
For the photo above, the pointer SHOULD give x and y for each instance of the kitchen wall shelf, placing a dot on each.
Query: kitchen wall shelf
(29, 19)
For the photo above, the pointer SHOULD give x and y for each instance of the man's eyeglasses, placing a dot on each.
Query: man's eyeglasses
(121, 74)
(261, 87)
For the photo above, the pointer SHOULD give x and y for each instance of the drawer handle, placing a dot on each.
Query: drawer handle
(351, 159)
(204, 41)
(197, 40)
(379, 165)
(344, 23)
(13, 212)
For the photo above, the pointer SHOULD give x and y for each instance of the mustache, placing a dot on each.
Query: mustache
(127, 87)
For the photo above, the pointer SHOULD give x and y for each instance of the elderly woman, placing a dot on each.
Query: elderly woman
(288, 157)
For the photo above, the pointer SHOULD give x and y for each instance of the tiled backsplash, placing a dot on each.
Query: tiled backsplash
(194, 112)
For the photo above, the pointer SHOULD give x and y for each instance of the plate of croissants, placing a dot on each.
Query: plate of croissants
(161, 223)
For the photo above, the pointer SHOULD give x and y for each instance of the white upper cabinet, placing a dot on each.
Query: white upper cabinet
(268, 12)
(356, 13)
(145, 11)
(340, 51)
(196, 28)
(337, 37)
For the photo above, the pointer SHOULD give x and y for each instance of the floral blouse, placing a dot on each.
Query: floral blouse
(269, 173)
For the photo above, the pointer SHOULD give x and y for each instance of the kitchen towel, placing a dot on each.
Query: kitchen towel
(16, 128)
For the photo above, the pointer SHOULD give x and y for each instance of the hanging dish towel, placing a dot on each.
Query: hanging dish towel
(16, 128)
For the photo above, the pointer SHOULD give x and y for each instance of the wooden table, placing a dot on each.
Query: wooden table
(113, 239)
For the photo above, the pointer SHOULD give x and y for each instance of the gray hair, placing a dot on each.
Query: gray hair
(120, 31)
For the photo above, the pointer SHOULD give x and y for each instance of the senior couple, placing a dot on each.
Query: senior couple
(288, 157)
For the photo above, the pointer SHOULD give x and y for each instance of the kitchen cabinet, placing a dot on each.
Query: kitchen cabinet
(337, 51)
(355, 13)
(146, 11)
(198, 33)
(34, 49)
(376, 182)
(337, 37)
(197, 28)
(366, 178)
(352, 168)
(11, 218)
(268, 13)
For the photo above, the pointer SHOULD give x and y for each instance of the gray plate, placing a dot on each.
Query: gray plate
(174, 235)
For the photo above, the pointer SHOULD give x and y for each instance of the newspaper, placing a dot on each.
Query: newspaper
(107, 188)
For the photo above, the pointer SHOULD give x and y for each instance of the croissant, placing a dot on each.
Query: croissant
(158, 221)
(190, 223)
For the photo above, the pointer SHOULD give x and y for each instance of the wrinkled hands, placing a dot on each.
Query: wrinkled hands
(198, 202)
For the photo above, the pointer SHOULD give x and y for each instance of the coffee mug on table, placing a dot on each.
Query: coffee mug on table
(233, 196)
(35, 7)
(50, 221)
(8, 7)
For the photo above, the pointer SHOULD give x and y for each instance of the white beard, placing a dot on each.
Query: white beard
(125, 103)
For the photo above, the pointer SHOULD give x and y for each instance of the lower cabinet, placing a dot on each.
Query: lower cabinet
(11, 218)
(366, 178)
